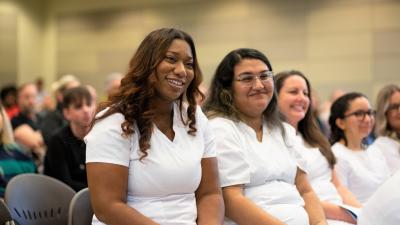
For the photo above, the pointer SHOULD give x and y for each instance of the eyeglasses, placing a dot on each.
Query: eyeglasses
(248, 79)
(360, 114)
(394, 107)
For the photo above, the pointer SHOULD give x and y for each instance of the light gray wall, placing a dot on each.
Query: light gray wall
(348, 44)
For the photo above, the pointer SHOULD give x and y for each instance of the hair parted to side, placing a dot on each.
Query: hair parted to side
(136, 92)
(308, 127)
(76, 96)
(382, 127)
(338, 110)
(220, 99)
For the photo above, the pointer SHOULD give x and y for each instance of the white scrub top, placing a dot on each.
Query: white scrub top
(391, 151)
(266, 169)
(383, 207)
(320, 176)
(163, 185)
(362, 172)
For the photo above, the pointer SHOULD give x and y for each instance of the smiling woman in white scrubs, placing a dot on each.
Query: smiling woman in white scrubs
(260, 169)
(361, 170)
(294, 100)
(387, 126)
(151, 153)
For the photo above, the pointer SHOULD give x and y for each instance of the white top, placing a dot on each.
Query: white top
(162, 186)
(362, 172)
(383, 207)
(319, 174)
(391, 151)
(267, 169)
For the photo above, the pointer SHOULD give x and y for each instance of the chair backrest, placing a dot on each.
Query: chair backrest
(5, 215)
(35, 199)
(80, 209)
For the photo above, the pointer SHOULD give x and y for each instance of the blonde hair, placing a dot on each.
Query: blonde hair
(6, 133)
(382, 127)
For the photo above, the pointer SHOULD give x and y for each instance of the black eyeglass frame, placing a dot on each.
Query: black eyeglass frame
(360, 114)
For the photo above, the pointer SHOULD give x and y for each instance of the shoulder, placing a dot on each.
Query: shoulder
(341, 151)
(108, 127)
(385, 140)
(111, 120)
(221, 122)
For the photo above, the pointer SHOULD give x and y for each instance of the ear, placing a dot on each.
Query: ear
(153, 77)
(340, 123)
(66, 113)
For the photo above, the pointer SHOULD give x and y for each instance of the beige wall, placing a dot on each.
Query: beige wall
(350, 44)
(27, 46)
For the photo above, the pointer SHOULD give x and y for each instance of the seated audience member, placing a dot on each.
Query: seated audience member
(151, 153)
(387, 126)
(362, 170)
(9, 100)
(325, 107)
(294, 100)
(66, 152)
(12, 160)
(383, 207)
(26, 123)
(260, 169)
(113, 81)
(93, 93)
(54, 120)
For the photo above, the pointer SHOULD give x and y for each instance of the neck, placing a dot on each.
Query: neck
(163, 114)
(79, 131)
(293, 124)
(353, 143)
(253, 122)
(398, 133)
(30, 114)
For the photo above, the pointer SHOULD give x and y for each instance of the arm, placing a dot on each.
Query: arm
(33, 140)
(243, 211)
(210, 205)
(347, 196)
(335, 212)
(312, 203)
(108, 187)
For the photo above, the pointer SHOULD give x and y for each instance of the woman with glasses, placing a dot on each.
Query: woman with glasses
(260, 169)
(294, 100)
(388, 125)
(360, 169)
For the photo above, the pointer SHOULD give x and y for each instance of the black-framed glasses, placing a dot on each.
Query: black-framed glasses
(248, 79)
(360, 114)
(394, 107)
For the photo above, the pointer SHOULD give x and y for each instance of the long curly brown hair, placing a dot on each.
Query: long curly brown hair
(136, 92)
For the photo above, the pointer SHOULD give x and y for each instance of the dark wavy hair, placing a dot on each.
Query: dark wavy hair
(220, 98)
(338, 110)
(136, 92)
(308, 125)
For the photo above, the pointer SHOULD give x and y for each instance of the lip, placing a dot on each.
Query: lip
(298, 107)
(178, 83)
(258, 93)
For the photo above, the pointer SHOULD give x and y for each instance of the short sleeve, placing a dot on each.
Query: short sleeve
(232, 164)
(295, 146)
(105, 143)
(208, 134)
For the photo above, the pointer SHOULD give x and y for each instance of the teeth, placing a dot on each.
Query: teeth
(176, 82)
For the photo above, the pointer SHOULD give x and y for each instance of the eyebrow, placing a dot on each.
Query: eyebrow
(176, 53)
(248, 72)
